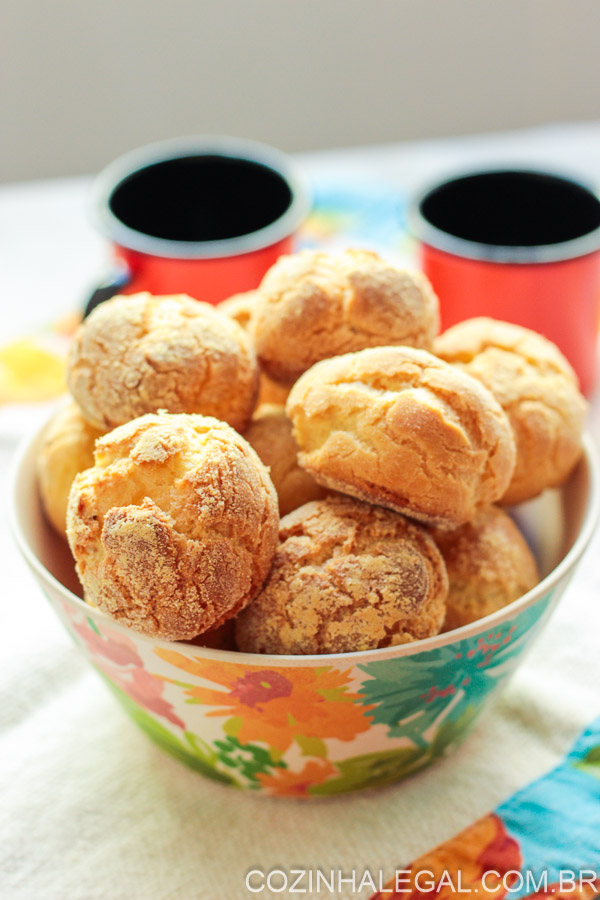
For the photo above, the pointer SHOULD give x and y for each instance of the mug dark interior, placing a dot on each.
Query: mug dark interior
(201, 198)
(512, 209)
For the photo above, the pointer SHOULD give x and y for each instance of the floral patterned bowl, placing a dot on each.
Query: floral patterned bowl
(313, 725)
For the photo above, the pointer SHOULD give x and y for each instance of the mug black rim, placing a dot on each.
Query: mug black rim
(211, 145)
(432, 236)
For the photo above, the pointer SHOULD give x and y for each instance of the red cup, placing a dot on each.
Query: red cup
(203, 216)
(517, 245)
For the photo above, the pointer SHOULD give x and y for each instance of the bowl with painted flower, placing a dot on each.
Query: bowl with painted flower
(313, 725)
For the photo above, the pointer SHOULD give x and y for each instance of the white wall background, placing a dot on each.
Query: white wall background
(83, 81)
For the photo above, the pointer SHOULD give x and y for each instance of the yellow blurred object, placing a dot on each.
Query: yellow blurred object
(30, 372)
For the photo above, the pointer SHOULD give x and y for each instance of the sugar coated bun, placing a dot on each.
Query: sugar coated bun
(314, 305)
(141, 353)
(489, 565)
(398, 427)
(174, 528)
(270, 433)
(536, 387)
(67, 448)
(241, 308)
(346, 576)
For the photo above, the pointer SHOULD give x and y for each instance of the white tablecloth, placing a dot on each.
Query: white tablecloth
(89, 807)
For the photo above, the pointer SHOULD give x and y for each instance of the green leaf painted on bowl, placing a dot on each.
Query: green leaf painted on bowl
(379, 769)
(414, 694)
(453, 731)
(93, 625)
(191, 754)
(250, 760)
(200, 748)
(374, 770)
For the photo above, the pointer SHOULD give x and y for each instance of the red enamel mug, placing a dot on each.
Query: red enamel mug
(517, 245)
(204, 216)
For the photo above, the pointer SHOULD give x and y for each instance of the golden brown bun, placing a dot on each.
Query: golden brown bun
(270, 433)
(67, 448)
(314, 305)
(399, 427)
(241, 308)
(139, 354)
(489, 565)
(536, 387)
(346, 576)
(174, 528)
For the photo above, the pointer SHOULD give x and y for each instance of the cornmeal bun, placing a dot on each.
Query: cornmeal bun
(537, 388)
(346, 576)
(67, 448)
(138, 354)
(174, 528)
(489, 566)
(398, 427)
(314, 305)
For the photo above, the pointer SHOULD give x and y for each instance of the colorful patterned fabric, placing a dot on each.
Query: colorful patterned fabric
(370, 214)
(542, 842)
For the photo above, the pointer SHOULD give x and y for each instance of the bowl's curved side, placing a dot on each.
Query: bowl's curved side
(307, 730)
(304, 726)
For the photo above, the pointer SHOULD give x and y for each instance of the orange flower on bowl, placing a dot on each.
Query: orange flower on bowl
(275, 705)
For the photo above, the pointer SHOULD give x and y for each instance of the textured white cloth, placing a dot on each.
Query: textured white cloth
(90, 809)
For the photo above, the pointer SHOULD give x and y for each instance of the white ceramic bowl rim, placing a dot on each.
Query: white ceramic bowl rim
(590, 518)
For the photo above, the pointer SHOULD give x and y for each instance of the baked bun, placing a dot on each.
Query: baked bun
(314, 305)
(270, 433)
(137, 354)
(398, 427)
(489, 565)
(174, 528)
(241, 308)
(67, 448)
(346, 576)
(536, 387)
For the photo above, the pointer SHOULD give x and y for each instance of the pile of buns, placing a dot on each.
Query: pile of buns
(325, 397)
